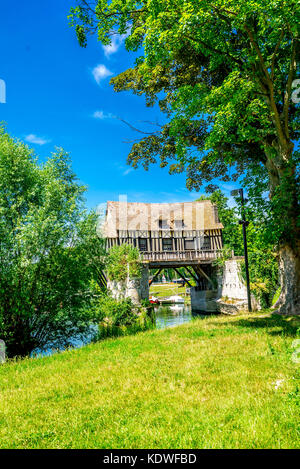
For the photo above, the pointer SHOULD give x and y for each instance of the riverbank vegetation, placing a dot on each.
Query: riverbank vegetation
(262, 252)
(123, 262)
(122, 317)
(217, 382)
(119, 314)
(49, 251)
(52, 286)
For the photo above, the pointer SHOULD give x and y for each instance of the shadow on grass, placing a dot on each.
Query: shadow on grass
(273, 325)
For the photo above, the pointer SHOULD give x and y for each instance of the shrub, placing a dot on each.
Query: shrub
(120, 317)
(118, 312)
(263, 269)
(123, 261)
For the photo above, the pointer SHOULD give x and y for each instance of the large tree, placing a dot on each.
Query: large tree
(49, 251)
(224, 72)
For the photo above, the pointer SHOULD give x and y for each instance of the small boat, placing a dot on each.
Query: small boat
(153, 300)
(176, 299)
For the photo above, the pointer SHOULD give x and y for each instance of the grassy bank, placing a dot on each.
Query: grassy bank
(219, 382)
(167, 289)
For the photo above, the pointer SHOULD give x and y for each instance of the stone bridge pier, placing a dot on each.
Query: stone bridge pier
(135, 288)
(217, 290)
(228, 296)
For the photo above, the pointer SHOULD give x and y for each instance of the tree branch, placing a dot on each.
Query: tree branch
(288, 90)
(266, 80)
(275, 53)
(212, 49)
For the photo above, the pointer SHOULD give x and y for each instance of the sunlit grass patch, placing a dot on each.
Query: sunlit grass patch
(218, 382)
(168, 289)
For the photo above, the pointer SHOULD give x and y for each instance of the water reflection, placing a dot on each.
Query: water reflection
(166, 316)
(173, 315)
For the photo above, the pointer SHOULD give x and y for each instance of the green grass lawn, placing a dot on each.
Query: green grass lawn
(167, 289)
(219, 382)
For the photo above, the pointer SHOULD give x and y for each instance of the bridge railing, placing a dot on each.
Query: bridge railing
(202, 255)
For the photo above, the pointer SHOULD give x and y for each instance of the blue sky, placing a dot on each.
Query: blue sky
(58, 94)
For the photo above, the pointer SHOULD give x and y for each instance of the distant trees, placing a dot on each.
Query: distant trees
(232, 233)
(49, 251)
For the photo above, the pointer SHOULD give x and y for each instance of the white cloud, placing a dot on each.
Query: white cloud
(32, 138)
(127, 171)
(99, 115)
(116, 43)
(101, 72)
(102, 115)
(112, 48)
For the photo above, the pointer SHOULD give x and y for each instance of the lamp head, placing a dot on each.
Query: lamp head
(237, 192)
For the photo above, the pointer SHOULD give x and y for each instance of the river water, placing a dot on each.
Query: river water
(166, 316)
(173, 315)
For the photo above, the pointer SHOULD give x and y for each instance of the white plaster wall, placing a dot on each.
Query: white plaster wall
(233, 285)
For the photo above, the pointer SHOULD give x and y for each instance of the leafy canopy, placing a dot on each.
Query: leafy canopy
(224, 73)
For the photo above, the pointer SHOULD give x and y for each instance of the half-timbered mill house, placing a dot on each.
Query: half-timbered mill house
(169, 235)
(176, 235)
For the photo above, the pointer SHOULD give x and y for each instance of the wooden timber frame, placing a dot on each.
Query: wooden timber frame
(195, 246)
(196, 261)
(206, 243)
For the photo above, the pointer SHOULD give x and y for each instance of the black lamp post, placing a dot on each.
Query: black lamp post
(245, 223)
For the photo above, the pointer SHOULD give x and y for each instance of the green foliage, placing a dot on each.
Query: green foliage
(232, 233)
(146, 303)
(120, 317)
(276, 296)
(209, 60)
(123, 261)
(263, 268)
(118, 312)
(263, 260)
(225, 255)
(49, 251)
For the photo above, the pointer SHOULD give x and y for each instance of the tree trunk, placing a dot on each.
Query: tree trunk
(18, 340)
(289, 268)
(283, 186)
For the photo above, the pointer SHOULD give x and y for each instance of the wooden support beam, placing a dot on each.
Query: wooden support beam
(205, 275)
(181, 276)
(191, 273)
(154, 276)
